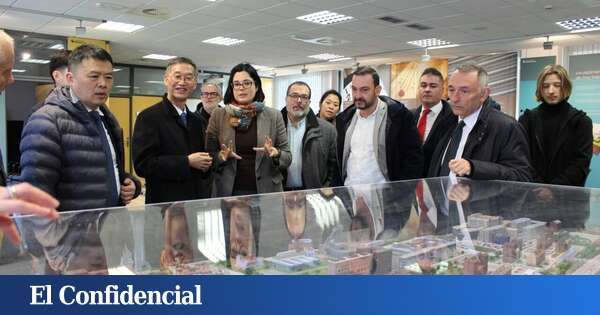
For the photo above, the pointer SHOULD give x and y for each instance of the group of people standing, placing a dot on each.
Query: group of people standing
(72, 147)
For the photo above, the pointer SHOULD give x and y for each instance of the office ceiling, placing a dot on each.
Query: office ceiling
(270, 26)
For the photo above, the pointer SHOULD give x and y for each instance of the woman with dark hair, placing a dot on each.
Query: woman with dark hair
(329, 106)
(248, 141)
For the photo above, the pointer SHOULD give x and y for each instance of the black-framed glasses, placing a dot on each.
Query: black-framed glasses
(302, 97)
(244, 84)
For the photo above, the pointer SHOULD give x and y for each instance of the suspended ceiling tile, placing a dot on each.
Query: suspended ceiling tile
(59, 6)
(23, 21)
(290, 10)
(197, 19)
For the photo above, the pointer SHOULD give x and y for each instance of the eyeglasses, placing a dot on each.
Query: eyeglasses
(210, 94)
(302, 97)
(184, 78)
(244, 84)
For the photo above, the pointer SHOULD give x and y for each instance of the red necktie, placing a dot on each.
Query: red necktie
(421, 200)
(422, 125)
(423, 218)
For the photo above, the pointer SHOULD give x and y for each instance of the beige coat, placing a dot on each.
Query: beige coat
(268, 170)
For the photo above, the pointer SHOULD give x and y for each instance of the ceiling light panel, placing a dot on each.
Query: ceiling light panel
(340, 59)
(158, 57)
(224, 41)
(429, 42)
(118, 27)
(325, 18)
(580, 24)
(326, 56)
(57, 47)
(39, 61)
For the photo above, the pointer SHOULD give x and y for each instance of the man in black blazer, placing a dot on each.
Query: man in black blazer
(168, 141)
(483, 143)
(434, 117)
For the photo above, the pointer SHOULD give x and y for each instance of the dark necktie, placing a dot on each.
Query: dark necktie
(183, 118)
(452, 148)
(113, 196)
(422, 125)
(2, 173)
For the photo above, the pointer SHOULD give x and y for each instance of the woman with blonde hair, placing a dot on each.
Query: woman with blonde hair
(560, 136)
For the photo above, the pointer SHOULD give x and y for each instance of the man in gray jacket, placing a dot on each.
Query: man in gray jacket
(72, 147)
(312, 142)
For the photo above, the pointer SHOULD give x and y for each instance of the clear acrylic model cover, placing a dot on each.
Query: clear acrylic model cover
(431, 226)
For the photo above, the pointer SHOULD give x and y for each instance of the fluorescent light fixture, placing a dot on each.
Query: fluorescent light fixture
(117, 69)
(40, 61)
(25, 56)
(18, 70)
(261, 67)
(225, 41)
(158, 57)
(326, 56)
(586, 30)
(340, 59)
(430, 42)
(118, 27)
(154, 82)
(581, 25)
(443, 46)
(122, 86)
(325, 18)
(57, 47)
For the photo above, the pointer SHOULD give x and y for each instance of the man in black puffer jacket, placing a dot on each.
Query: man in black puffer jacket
(72, 147)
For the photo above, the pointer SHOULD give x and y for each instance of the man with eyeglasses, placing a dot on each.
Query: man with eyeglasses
(211, 97)
(168, 141)
(312, 142)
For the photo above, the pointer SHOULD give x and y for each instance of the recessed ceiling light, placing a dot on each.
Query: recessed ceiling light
(225, 41)
(40, 61)
(586, 30)
(57, 47)
(261, 67)
(429, 42)
(25, 56)
(118, 27)
(156, 12)
(158, 57)
(325, 18)
(443, 46)
(326, 56)
(18, 70)
(340, 59)
(581, 25)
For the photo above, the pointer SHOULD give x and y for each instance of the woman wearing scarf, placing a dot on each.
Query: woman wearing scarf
(247, 140)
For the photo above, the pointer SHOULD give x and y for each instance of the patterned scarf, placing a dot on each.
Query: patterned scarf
(241, 118)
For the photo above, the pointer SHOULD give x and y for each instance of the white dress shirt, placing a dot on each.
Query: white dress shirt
(113, 154)
(362, 165)
(431, 117)
(469, 124)
(295, 137)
